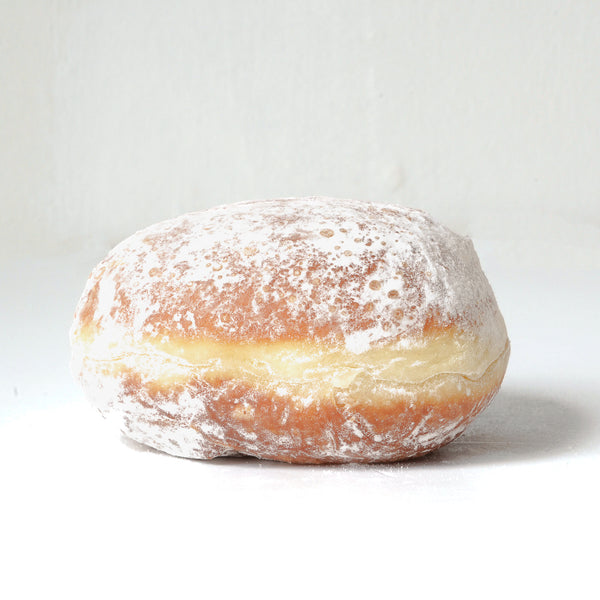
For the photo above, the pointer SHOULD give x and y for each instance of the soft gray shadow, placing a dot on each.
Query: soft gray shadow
(522, 425)
(519, 425)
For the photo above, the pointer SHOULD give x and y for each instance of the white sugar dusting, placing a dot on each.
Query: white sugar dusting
(348, 274)
(342, 271)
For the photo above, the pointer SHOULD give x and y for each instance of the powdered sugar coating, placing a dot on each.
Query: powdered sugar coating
(197, 418)
(343, 272)
(176, 336)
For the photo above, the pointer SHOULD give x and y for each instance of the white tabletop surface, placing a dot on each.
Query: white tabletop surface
(510, 509)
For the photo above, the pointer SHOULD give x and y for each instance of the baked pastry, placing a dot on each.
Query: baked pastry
(311, 330)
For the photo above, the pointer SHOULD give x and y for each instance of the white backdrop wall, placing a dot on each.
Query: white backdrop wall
(119, 113)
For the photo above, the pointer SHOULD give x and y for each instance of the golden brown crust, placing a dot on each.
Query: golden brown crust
(366, 423)
(180, 335)
(344, 272)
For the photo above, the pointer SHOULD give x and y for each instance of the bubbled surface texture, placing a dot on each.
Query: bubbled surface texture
(340, 278)
(342, 271)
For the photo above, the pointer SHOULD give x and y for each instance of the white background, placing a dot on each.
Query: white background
(114, 115)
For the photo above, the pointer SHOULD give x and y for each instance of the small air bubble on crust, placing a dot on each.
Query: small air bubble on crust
(296, 255)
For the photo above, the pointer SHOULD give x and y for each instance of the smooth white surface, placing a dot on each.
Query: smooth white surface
(510, 508)
(120, 113)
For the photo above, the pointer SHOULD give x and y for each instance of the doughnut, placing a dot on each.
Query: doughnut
(305, 330)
